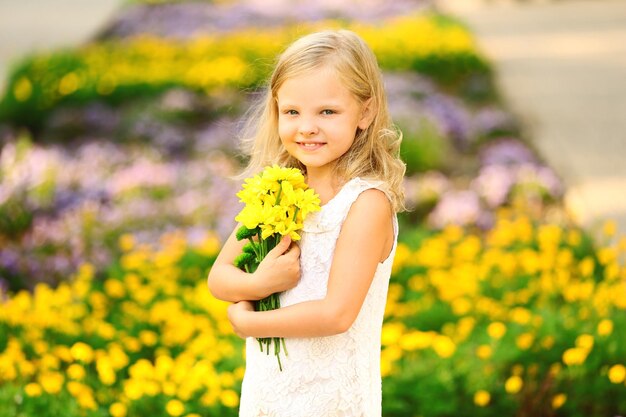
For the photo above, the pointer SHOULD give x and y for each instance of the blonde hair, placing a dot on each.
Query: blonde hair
(374, 154)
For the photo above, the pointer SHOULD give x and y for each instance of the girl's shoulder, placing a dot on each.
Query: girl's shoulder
(358, 194)
(371, 189)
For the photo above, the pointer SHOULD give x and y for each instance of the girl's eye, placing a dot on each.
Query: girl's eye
(328, 111)
(291, 112)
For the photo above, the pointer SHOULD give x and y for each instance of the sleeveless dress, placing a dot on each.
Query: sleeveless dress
(333, 376)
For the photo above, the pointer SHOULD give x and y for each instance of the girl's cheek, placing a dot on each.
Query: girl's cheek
(285, 130)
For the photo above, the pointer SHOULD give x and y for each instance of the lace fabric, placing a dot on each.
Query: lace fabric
(334, 376)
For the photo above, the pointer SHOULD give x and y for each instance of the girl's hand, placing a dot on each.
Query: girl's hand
(280, 269)
(236, 313)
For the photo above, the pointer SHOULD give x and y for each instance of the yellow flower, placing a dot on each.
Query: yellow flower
(609, 228)
(229, 398)
(605, 327)
(210, 246)
(514, 384)
(119, 358)
(558, 400)
(617, 374)
(607, 255)
(69, 84)
(484, 351)
(76, 371)
(575, 356)
(496, 330)
(114, 288)
(276, 174)
(106, 374)
(525, 340)
(118, 410)
(307, 201)
(520, 315)
(82, 352)
(133, 389)
(23, 89)
(586, 266)
(277, 201)
(251, 215)
(443, 346)
(482, 398)
(252, 190)
(461, 306)
(77, 389)
(87, 401)
(63, 353)
(51, 382)
(416, 340)
(585, 341)
(148, 337)
(126, 242)
(175, 408)
(142, 369)
(391, 333)
(33, 389)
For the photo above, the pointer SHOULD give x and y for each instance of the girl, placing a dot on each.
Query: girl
(325, 112)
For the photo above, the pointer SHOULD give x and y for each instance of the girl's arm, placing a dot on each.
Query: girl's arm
(279, 271)
(365, 239)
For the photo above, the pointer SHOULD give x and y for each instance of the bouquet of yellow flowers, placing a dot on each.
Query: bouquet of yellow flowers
(276, 203)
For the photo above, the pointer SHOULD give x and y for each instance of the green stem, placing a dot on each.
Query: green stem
(280, 191)
(282, 339)
(255, 247)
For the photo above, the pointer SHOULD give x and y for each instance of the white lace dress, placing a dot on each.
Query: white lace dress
(336, 376)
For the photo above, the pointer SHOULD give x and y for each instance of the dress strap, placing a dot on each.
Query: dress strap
(334, 212)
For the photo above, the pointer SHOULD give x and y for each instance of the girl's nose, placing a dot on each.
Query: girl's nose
(308, 128)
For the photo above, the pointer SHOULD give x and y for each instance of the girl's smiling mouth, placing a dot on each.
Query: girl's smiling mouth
(311, 145)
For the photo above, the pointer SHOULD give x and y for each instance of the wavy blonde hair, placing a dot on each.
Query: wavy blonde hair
(374, 154)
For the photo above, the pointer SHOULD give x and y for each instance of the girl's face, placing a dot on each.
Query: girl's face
(318, 118)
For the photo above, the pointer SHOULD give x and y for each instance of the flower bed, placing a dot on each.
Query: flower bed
(521, 320)
(117, 71)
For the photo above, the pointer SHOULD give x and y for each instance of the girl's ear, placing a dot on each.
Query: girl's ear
(367, 115)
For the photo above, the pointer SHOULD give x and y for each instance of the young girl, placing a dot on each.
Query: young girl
(325, 112)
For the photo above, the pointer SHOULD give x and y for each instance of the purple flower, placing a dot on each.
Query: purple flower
(425, 188)
(452, 116)
(456, 207)
(539, 177)
(506, 151)
(142, 174)
(188, 19)
(493, 184)
(221, 134)
(490, 120)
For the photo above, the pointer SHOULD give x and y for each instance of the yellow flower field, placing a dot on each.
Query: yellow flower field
(529, 311)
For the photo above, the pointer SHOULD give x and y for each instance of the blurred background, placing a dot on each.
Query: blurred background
(561, 66)
(118, 133)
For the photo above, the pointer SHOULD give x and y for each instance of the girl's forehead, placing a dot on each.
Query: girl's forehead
(319, 83)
